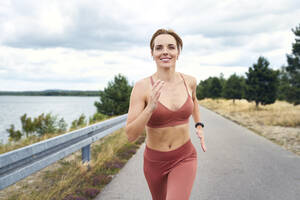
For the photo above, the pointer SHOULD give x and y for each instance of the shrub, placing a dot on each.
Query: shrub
(91, 192)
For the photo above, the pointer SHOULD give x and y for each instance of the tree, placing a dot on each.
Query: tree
(80, 122)
(14, 135)
(114, 100)
(293, 69)
(45, 124)
(223, 83)
(261, 83)
(215, 88)
(27, 125)
(209, 88)
(62, 126)
(203, 89)
(40, 125)
(234, 87)
(97, 117)
(284, 85)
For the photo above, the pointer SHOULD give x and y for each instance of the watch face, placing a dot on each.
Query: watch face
(199, 123)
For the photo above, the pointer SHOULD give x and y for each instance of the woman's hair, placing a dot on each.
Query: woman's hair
(165, 31)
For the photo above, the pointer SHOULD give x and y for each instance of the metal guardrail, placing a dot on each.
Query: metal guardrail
(18, 164)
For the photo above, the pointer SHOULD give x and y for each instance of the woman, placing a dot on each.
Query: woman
(163, 104)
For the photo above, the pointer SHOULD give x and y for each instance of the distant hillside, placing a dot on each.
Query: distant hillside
(52, 92)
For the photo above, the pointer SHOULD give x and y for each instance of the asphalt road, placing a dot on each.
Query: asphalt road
(238, 165)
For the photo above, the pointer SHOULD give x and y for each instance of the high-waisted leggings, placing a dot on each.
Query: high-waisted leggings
(170, 174)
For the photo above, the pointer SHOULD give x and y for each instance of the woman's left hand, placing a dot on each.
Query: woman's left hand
(199, 133)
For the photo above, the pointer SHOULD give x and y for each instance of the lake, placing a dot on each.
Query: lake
(67, 107)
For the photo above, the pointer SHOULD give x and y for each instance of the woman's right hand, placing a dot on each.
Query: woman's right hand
(155, 93)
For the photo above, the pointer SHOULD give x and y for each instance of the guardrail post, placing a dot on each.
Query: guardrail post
(86, 154)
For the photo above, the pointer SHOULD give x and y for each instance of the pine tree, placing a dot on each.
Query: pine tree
(234, 87)
(114, 100)
(215, 88)
(293, 69)
(209, 88)
(284, 85)
(203, 89)
(261, 83)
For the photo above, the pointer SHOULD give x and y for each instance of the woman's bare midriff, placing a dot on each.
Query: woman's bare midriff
(167, 138)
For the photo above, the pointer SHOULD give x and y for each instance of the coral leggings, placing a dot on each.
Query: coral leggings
(170, 174)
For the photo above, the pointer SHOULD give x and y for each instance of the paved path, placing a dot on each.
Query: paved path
(238, 165)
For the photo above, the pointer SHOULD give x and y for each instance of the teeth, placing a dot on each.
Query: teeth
(165, 59)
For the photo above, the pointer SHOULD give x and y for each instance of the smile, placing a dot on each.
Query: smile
(165, 59)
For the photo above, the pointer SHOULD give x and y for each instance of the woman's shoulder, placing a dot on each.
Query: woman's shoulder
(143, 85)
(191, 80)
(144, 81)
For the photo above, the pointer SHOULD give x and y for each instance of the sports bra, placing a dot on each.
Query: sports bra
(164, 117)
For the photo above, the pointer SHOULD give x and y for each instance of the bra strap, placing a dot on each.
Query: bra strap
(151, 80)
(183, 81)
(184, 84)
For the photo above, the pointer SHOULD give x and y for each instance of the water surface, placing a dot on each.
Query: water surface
(70, 108)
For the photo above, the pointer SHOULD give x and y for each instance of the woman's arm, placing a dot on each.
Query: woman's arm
(138, 114)
(196, 114)
(196, 111)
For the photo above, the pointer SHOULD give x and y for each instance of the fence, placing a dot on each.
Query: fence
(18, 164)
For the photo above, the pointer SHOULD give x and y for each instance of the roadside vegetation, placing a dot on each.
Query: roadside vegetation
(278, 122)
(265, 100)
(44, 127)
(261, 84)
(69, 179)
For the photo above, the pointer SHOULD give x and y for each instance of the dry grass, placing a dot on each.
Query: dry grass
(280, 113)
(279, 122)
(70, 179)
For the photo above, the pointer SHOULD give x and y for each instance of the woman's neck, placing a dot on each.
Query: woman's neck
(167, 75)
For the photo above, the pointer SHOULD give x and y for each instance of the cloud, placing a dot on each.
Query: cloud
(61, 44)
(61, 65)
(117, 25)
(236, 17)
(80, 26)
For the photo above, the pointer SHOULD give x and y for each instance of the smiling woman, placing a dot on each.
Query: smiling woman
(163, 104)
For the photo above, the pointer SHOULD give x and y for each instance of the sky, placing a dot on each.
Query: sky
(82, 44)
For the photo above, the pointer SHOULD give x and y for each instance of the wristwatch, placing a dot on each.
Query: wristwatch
(199, 123)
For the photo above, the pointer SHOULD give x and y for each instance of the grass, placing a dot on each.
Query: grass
(69, 179)
(279, 113)
(278, 122)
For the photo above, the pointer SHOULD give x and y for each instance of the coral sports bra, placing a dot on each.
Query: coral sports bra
(164, 117)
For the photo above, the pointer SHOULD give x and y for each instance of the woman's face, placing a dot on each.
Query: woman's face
(165, 51)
